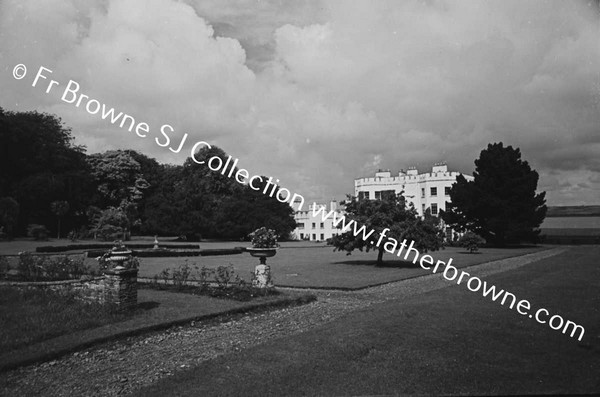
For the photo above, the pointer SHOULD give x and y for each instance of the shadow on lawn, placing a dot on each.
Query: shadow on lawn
(400, 264)
(147, 305)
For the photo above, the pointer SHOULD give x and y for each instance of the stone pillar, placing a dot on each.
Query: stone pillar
(120, 288)
(262, 276)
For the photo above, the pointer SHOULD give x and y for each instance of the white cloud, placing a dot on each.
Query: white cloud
(312, 93)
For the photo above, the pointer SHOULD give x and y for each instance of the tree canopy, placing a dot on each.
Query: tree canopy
(118, 192)
(500, 203)
(393, 213)
(40, 164)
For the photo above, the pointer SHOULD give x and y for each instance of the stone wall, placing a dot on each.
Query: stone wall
(120, 288)
(115, 287)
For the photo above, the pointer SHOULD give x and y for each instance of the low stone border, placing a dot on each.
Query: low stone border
(115, 287)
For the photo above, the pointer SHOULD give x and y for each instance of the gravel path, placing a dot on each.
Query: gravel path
(118, 368)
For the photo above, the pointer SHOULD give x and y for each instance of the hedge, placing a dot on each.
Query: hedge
(159, 253)
(107, 246)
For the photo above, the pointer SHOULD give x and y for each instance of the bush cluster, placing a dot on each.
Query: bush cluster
(4, 267)
(198, 280)
(471, 241)
(43, 268)
(38, 232)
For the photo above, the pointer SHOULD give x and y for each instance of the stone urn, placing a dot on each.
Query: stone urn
(264, 245)
(118, 257)
(262, 272)
(262, 253)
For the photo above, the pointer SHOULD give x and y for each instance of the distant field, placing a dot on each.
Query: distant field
(572, 222)
(568, 210)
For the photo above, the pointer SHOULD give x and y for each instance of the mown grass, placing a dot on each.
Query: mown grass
(32, 315)
(318, 266)
(449, 341)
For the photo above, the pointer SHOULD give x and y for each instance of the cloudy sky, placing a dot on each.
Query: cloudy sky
(318, 93)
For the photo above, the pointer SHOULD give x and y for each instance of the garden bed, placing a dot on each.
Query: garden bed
(44, 267)
(239, 293)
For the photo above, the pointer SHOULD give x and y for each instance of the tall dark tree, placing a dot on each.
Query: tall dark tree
(501, 203)
(40, 164)
(163, 208)
(390, 212)
(195, 201)
(247, 210)
(151, 173)
(60, 209)
(9, 215)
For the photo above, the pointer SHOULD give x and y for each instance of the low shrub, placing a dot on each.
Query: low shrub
(181, 275)
(109, 232)
(30, 267)
(224, 275)
(38, 232)
(204, 274)
(229, 285)
(471, 241)
(4, 267)
(41, 268)
(64, 268)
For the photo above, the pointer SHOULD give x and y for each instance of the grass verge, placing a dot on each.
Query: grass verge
(29, 316)
(156, 310)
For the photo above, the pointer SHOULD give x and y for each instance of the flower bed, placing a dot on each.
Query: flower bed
(222, 282)
(242, 294)
(30, 267)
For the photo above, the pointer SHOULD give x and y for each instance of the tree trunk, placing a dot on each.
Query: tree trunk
(380, 256)
(58, 232)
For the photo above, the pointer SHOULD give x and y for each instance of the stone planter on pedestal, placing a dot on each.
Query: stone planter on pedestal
(120, 288)
(120, 280)
(262, 272)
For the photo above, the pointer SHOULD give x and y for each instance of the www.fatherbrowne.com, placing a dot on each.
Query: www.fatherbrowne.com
(450, 272)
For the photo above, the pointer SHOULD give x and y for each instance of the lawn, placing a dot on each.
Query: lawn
(305, 264)
(318, 266)
(444, 342)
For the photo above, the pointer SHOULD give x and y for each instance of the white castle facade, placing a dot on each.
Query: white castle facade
(430, 190)
(314, 228)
